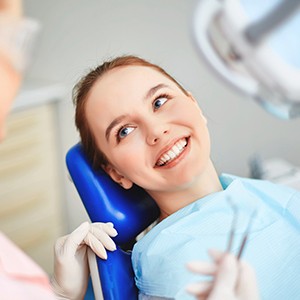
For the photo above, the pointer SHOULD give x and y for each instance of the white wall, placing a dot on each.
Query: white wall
(79, 34)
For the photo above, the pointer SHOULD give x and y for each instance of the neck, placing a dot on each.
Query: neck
(206, 183)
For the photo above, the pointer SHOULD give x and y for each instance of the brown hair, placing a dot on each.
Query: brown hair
(80, 95)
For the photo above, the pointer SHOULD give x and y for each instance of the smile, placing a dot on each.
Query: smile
(172, 153)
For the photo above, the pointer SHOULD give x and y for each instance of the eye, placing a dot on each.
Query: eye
(124, 131)
(160, 101)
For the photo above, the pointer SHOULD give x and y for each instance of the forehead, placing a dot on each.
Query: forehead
(123, 85)
(128, 79)
(119, 90)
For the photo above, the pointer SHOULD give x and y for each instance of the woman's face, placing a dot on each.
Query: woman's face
(152, 133)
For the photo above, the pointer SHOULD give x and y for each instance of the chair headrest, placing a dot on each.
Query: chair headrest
(131, 211)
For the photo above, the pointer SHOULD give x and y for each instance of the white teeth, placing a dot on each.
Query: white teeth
(166, 157)
(182, 143)
(176, 150)
(172, 153)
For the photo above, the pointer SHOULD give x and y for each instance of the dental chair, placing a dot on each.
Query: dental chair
(131, 212)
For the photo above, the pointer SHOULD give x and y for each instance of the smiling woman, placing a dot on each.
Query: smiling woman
(142, 127)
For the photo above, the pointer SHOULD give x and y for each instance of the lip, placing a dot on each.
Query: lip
(178, 158)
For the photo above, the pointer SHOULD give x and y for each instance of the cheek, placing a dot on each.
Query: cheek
(128, 160)
(128, 156)
(188, 109)
(195, 120)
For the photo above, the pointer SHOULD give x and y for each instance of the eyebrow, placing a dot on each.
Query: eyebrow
(154, 89)
(114, 123)
(119, 119)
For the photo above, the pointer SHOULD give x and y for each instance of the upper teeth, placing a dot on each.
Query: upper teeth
(172, 153)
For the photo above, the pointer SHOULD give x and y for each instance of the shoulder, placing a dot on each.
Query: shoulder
(265, 189)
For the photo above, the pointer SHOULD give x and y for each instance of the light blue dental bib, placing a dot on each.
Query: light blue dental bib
(273, 247)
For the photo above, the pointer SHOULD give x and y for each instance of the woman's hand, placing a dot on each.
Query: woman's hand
(232, 279)
(71, 271)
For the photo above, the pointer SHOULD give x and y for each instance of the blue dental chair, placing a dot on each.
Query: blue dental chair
(131, 211)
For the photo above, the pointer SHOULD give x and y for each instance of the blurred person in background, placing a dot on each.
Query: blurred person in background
(20, 277)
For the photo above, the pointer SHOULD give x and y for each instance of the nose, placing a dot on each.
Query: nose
(156, 132)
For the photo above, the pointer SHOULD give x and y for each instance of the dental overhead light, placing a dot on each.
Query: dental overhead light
(254, 45)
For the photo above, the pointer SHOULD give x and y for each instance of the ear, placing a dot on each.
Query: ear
(190, 95)
(116, 176)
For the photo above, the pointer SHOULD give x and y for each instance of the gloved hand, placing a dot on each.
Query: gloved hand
(71, 271)
(233, 279)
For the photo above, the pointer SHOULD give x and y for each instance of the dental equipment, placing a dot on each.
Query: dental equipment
(233, 229)
(254, 47)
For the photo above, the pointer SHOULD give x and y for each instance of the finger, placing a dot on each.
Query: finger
(96, 246)
(103, 237)
(59, 243)
(247, 287)
(226, 276)
(201, 267)
(216, 255)
(74, 240)
(199, 289)
(110, 224)
(106, 227)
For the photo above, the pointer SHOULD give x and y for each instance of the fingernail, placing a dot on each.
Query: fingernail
(112, 246)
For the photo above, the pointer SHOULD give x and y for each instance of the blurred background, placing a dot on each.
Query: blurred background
(77, 35)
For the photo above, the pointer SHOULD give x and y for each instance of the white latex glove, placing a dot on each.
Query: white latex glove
(71, 271)
(233, 279)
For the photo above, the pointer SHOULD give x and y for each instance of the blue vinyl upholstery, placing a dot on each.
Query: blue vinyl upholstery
(131, 211)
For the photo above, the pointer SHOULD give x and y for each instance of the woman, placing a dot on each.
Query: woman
(142, 127)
